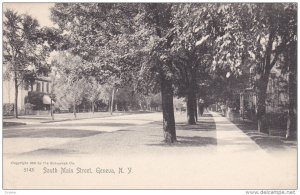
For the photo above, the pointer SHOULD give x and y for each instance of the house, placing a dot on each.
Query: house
(35, 95)
(277, 95)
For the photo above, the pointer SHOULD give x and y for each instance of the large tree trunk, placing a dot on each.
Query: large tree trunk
(190, 104)
(291, 132)
(16, 87)
(191, 101)
(196, 109)
(262, 123)
(263, 73)
(165, 84)
(16, 97)
(168, 110)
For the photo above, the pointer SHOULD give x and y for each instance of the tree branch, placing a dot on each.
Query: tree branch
(277, 51)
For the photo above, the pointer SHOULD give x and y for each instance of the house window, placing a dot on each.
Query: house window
(38, 87)
(47, 87)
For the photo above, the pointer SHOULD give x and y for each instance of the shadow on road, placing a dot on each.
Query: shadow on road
(184, 141)
(53, 133)
(81, 124)
(96, 124)
(205, 123)
(201, 134)
(50, 152)
(196, 141)
(9, 124)
(201, 126)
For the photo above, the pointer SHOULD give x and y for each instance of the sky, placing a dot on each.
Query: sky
(39, 11)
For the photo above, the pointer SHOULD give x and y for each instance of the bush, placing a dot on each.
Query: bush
(36, 99)
(8, 109)
(277, 120)
(29, 108)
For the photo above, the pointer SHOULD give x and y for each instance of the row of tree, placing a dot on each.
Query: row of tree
(187, 50)
(71, 87)
(176, 45)
(27, 50)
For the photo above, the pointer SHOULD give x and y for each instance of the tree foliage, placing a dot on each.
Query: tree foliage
(257, 35)
(25, 50)
(199, 50)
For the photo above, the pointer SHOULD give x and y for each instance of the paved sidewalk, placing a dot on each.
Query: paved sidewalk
(245, 133)
(231, 138)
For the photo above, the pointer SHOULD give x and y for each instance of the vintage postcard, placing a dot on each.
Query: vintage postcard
(150, 96)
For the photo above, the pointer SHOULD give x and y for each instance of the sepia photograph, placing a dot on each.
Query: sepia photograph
(150, 96)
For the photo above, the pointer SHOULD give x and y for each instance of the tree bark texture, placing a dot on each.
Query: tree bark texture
(16, 87)
(191, 108)
(291, 132)
(196, 109)
(165, 84)
(168, 110)
(16, 97)
(191, 99)
(263, 73)
(262, 123)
